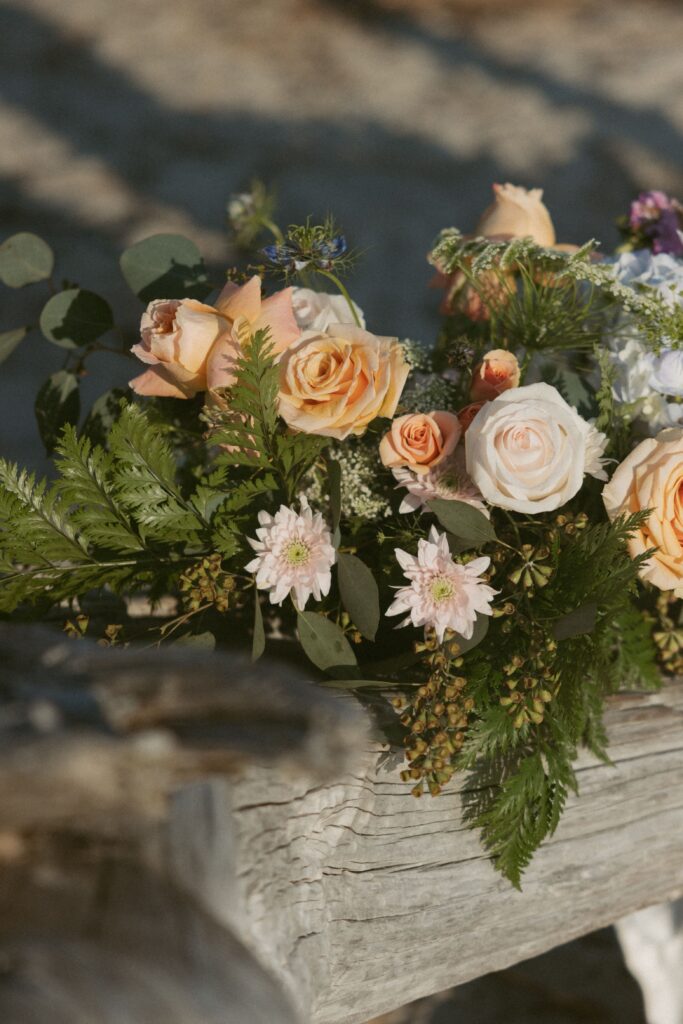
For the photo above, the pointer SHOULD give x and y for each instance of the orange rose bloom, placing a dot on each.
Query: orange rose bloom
(420, 440)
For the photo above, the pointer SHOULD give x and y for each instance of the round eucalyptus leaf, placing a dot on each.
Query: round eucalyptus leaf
(326, 646)
(165, 267)
(75, 317)
(57, 403)
(25, 259)
(9, 341)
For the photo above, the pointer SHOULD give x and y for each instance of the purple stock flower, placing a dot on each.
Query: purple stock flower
(660, 219)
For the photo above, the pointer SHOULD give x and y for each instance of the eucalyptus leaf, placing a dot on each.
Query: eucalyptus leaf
(75, 317)
(57, 403)
(326, 646)
(165, 267)
(577, 623)
(464, 521)
(9, 341)
(204, 641)
(259, 642)
(359, 594)
(481, 628)
(358, 684)
(25, 259)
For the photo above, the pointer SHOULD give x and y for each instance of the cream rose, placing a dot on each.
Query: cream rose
(191, 347)
(420, 440)
(497, 372)
(651, 477)
(527, 449)
(517, 212)
(335, 382)
(315, 311)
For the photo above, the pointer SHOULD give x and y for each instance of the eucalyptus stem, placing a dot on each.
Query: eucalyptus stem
(271, 226)
(338, 284)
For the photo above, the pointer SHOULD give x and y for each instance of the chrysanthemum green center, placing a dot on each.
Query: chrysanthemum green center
(441, 589)
(449, 483)
(297, 553)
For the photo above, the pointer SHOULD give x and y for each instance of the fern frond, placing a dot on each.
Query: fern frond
(144, 480)
(34, 523)
(86, 490)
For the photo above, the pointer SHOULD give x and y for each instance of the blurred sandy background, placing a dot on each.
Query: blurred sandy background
(119, 118)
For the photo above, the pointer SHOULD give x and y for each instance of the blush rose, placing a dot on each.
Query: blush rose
(528, 450)
(191, 347)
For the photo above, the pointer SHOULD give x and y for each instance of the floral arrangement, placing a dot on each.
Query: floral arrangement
(485, 535)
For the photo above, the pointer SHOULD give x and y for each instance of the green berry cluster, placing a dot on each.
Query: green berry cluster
(436, 717)
(206, 583)
(668, 636)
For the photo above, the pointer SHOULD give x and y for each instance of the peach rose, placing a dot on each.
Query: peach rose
(335, 382)
(497, 372)
(652, 477)
(517, 212)
(420, 441)
(191, 347)
(467, 414)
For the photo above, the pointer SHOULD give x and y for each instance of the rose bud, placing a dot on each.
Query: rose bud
(467, 414)
(497, 372)
(517, 213)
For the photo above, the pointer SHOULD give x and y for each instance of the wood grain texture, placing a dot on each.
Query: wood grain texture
(361, 898)
(192, 831)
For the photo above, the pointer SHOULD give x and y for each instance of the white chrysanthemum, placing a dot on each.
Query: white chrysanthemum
(448, 480)
(442, 594)
(643, 379)
(294, 554)
(596, 442)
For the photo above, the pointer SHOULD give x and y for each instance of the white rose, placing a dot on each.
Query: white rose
(315, 311)
(528, 450)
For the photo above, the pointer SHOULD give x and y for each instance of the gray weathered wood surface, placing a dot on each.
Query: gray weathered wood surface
(278, 860)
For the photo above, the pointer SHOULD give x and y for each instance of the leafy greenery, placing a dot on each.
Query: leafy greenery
(161, 497)
(250, 430)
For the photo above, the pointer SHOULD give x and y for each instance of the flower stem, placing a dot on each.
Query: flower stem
(338, 284)
(271, 226)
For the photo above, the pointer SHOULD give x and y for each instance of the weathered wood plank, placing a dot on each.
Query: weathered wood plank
(312, 873)
(361, 898)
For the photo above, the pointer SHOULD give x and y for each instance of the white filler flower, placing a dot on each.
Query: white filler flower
(442, 594)
(294, 554)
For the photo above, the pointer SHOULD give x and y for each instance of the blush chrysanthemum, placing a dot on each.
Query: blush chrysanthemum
(294, 555)
(442, 594)
(448, 480)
